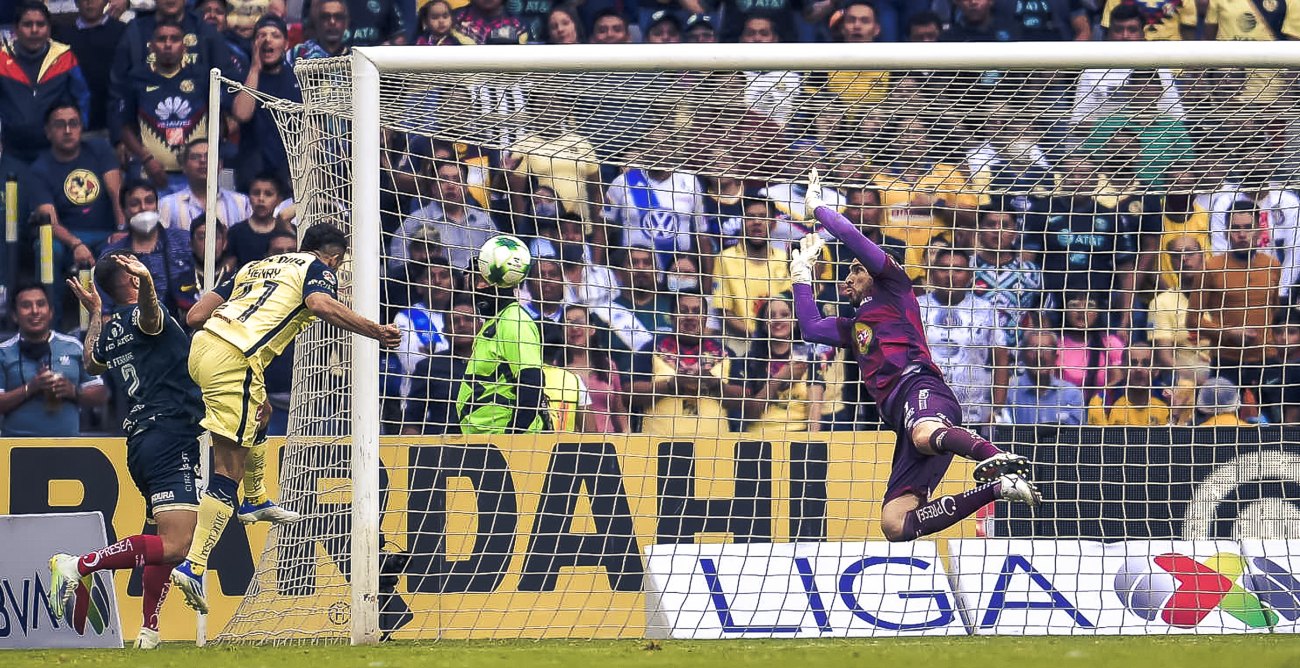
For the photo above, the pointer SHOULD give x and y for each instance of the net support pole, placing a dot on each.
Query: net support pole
(209, 280)
(365, 240)
(214, 163)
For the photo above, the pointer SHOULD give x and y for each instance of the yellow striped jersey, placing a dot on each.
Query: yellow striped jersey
(265, 307)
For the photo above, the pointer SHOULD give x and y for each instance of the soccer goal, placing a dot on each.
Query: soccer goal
(1079, 220)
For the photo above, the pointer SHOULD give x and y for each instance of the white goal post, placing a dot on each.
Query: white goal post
(378, 75)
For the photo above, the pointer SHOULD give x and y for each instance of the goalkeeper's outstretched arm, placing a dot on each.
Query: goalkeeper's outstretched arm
(868, 253)
(812, 325)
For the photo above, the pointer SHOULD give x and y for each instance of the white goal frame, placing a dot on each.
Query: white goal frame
(368, 63)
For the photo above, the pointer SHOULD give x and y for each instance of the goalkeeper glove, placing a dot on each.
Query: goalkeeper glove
(813, 198)
(804, 257)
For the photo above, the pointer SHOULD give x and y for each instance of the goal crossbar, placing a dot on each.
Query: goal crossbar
(903, 56)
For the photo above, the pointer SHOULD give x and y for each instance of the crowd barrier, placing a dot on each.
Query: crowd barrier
(506, 531)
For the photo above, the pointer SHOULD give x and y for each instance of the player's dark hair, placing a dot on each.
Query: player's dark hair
(132, 186)
(26, 286)
(62, 103)
(321, 236)
(108, 271)
(1123, 12)
(33, 7)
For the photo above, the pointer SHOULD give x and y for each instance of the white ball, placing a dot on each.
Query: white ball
(504, 261)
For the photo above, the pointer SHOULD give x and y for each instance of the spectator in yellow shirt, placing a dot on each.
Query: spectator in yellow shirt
(856, 23)
(783, 376)
(1159, 19)
(750, 271)
(1175, 347)
(1135, 403)
(1252, 20)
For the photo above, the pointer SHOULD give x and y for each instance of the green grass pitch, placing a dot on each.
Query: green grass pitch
(1255, 651)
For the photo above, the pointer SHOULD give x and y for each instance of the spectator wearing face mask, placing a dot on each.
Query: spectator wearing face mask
(165, 251)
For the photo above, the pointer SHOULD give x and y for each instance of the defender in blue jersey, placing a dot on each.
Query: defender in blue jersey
(143, 349)
(887, 338)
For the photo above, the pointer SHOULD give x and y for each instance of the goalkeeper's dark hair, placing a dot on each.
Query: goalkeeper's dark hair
(323, 236)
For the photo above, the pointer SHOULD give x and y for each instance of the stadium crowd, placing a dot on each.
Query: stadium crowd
(1162, 296)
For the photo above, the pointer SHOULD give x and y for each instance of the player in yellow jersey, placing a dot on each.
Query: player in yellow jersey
(241, 326)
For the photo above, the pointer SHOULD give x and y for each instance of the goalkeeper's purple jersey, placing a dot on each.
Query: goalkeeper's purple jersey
(886, 336)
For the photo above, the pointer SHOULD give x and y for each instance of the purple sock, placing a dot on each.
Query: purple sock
(964, 442)
(946, 511)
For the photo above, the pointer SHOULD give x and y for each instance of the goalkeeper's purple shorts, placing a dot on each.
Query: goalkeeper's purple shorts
(922, 395)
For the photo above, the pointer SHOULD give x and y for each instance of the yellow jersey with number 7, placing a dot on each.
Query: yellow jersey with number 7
(265, 304)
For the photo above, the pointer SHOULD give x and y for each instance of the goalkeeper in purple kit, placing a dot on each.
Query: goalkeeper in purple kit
(888, 340)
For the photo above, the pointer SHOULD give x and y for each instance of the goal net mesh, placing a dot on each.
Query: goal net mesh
(1105, 247)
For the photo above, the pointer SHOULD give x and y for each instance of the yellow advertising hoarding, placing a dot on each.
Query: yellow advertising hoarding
(519, 536)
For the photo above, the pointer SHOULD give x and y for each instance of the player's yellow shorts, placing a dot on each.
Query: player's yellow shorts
(232, 390)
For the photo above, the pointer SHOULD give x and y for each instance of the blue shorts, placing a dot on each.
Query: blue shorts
(920, 396)
(163, 458)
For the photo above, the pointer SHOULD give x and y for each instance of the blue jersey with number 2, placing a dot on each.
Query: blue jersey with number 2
(150, 369)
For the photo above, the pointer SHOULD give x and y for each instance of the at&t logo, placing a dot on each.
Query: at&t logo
(1181, 591)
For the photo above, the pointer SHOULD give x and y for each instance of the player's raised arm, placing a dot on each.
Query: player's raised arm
(868, 253)
(89, 298)
(812, 324)
(151, 312)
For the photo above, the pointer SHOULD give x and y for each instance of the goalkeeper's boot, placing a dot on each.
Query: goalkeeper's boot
(64, 578)
(1012, 487)
(148, 639)
(266, 511)
(1003, 463)
(191, 585)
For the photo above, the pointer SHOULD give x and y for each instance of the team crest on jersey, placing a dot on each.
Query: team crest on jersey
(81, 187)
(187, 86)
(1270, 6)
(190, 39)
(862, 335)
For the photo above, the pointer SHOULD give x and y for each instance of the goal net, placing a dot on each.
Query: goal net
(1102, 242)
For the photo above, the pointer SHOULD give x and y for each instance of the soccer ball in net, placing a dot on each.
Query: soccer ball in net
(504, 261)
